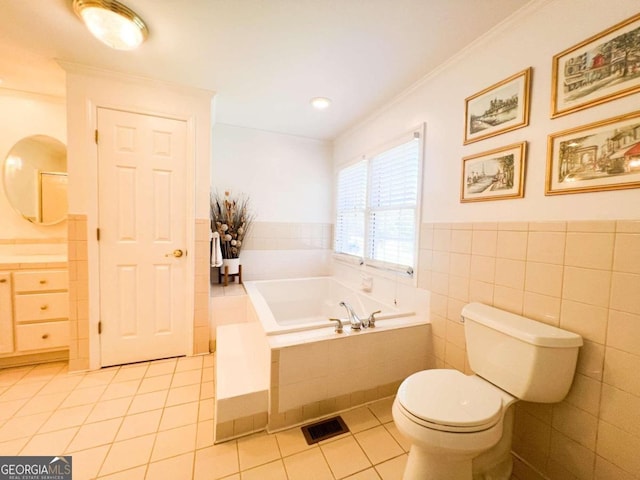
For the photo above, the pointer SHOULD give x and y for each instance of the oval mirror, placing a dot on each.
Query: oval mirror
(35, 179)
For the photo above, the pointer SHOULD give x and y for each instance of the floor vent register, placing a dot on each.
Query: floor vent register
(331, 427)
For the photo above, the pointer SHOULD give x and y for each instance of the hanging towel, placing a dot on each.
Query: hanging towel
(216, 252)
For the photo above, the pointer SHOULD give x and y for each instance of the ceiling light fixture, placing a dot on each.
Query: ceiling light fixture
(320, 102)
(111, 22)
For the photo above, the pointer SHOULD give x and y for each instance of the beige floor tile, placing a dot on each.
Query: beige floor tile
(175, 468)
(174, 442)
(95, 434)
(392, 469)
(66, 417)
(190, 377)
(189, 363)
(147, 402)
(272, 471)
(9, 409)
(359, 419)
(83, 396)
(257, 450)
(128, 373)
(382, 409)
(128, 454)
(12, 375)
(216, 462)
(308, 465)
(179, 415)
(153, 384)
(292, 441)
(13, 447)
(87, 463)
(98, 377)
(401, 439)
(19, 427)
(52, 443)
(42, 403)
(207, 407)
(378, 444)
(61, 384)
(42, 373)
(139, 424)
(345, 457)
(368, 474)
(207, 375)
(207, 390)
(209, 360)
(105, 410)
(189, 393)
(121, 389)
(204, 436)
(22, 390)
(162, 367)
(138, 473)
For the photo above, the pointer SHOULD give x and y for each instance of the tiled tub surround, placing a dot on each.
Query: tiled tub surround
(289, 236)
(581, 276)
(340, 371)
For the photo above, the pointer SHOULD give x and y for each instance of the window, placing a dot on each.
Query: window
(377, 207)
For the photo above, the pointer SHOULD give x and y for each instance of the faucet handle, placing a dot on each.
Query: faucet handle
(371, 321)
(339, 325)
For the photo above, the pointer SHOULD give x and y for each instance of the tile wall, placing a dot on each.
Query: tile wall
(289, 236)
(78, 292)
(581, 276)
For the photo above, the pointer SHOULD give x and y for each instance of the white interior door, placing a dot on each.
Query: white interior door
(143, 224)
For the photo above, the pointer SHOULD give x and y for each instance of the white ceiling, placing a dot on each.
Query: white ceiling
(264, 58)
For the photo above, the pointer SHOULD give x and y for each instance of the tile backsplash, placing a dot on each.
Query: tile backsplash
(583, 276)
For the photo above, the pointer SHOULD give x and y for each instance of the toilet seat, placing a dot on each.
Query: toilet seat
(450, 401)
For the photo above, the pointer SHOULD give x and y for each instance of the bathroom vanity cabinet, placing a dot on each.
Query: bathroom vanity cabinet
(34, 313)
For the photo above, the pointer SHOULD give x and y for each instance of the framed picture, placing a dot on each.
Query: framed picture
(600, 156)
(494, 175)
(500, 108)
(603, 67)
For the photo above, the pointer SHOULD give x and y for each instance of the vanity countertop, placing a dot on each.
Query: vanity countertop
(31, 261)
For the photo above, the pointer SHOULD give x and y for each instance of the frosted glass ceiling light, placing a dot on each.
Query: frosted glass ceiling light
(320, 103)
(112, 23)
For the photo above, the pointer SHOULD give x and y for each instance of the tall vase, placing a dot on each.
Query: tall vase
(232, 263)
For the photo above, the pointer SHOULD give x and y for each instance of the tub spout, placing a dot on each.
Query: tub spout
(354, 320)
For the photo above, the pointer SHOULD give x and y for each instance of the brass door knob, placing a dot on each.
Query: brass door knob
(176, 253)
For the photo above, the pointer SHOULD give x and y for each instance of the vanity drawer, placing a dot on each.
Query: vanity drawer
(39, 336)
(40, 281)
(41, 306)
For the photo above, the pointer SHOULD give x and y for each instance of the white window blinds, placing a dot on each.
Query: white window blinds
(377, 207)
(351, 206)
(393, 202)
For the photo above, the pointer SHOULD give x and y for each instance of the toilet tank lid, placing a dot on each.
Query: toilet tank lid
(525, 329)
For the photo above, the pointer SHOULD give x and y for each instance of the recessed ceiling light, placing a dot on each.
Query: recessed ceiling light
(111, 22)
(320, 102)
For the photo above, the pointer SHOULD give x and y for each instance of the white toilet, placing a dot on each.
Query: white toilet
(460, 426)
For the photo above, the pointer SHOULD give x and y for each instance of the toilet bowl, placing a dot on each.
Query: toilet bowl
(451, 418)
(460, 426)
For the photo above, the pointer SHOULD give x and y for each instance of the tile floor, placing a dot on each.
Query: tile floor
(155, 420)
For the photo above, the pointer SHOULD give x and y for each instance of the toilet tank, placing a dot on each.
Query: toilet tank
(531, 360)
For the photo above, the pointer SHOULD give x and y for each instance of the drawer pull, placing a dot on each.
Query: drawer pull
(44, 307)
(42, 282)
(3, 280)
(45, 336)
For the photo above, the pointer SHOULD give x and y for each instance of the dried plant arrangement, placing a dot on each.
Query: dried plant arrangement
(231, 218)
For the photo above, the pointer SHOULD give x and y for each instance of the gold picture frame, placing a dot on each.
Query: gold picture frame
(497, 174)
(500, 108)
(600, 156)
(603, 67)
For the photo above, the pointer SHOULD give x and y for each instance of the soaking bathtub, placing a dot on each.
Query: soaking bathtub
(315, 371)
(294, 305)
